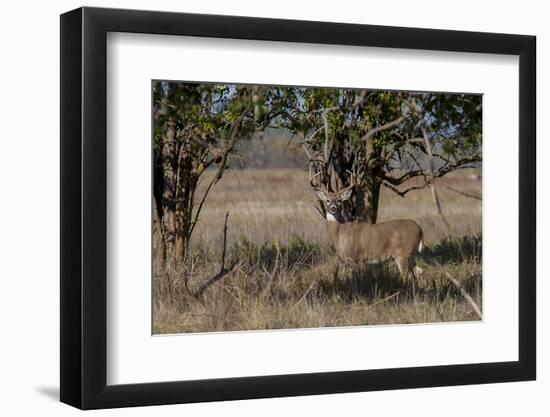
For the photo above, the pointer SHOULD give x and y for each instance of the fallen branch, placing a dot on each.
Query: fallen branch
(467, 296)
(223, 270)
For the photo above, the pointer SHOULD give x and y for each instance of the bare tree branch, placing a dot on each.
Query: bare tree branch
(307, 140)
(405, 177)
(477, 197)
(221, 167)
(403, 193)
(230, 144)
(359, 99)
(460, 164)
(382, 128)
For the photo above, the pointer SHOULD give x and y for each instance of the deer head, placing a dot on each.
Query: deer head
(333, 201)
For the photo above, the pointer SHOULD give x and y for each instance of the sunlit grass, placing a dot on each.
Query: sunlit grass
(287, 275)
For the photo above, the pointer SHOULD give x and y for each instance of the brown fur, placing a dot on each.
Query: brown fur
(363, 242)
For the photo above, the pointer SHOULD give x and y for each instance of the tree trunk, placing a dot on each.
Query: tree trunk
(372, 181)
(181, 244)
(184, 215)
(169, 159)
(371, 200)
(158, 212)
(364, 206)
(159, 247)
(366, 203)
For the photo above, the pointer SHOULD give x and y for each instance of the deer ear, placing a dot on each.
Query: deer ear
(346, 194)
(320, 195)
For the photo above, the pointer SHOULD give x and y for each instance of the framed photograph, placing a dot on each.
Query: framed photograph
(258, 208)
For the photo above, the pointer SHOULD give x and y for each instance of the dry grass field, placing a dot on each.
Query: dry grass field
(287, 275)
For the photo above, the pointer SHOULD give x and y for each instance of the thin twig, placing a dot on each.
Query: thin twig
(310, 138)
(467, 296)
(271, 274)
(383, 300)
(477, 197)
(303, 297)
(221, 167)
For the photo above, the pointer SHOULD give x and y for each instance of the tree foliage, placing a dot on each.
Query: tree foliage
(195, 127)
(379, 138)
(364, 138)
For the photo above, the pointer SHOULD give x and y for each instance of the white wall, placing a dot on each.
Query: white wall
(29, 164)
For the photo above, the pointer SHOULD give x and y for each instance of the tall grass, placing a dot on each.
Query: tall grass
(287, 275)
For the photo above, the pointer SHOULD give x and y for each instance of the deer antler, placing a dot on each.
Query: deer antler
(352, 182)
(313, 178)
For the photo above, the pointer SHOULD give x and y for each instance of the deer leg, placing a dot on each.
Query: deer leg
(352, 265)
(401, 262)
(411, 265)
(406, 267)
(411, 268)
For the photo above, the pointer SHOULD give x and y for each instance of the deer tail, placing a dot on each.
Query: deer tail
(420, 245)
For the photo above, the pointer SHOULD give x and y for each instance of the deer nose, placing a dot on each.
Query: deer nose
(332, 209)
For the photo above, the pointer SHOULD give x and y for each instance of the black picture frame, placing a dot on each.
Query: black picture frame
(84, 207)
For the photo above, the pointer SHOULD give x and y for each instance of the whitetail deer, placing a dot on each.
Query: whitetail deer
(372, 243)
